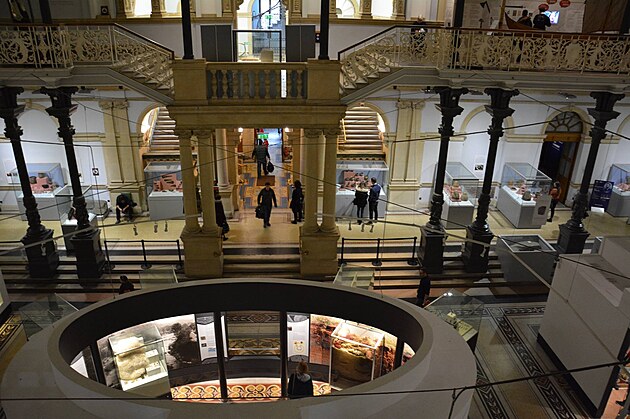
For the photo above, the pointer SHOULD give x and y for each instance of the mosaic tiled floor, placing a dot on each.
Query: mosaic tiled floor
(507, 349)
(249, 190)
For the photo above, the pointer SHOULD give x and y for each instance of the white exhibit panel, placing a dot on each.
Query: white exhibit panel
(619, 204)
(587, 317)
(524, 195)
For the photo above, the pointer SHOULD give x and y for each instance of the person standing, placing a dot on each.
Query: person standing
(266, 197)
(125, 285)
(375, 192)
(555, 198)
(424, 289)
(541, 20)
(297, 201)
(220, 215)
(300, 382)
(261, 154)
(525, 19)
(360, 200)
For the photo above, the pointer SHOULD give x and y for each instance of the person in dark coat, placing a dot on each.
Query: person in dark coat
(266, 197)
(125, 285)
(360, 200)
(525, 19)
(375, 193)
(541, 20)
(300, 382)
(424, 289)
(297, 201)
(220, 215)
(261, 154)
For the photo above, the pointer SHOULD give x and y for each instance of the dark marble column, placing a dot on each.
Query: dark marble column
(475, 254)
(43, 258)
(187, 30)
(324, 29)
(87, 244)
(573, 234)
(431, 251)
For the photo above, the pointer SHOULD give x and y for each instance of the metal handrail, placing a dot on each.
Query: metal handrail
(378, 261)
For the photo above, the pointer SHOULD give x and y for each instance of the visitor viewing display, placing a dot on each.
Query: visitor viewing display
(358, 174)
(619, 204)
(46, 181)
(524, 195)
(164, 190)
(460, 195)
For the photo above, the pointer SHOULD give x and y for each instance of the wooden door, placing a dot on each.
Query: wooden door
(570, 143)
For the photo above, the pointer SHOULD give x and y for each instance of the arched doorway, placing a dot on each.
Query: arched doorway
(559, 150)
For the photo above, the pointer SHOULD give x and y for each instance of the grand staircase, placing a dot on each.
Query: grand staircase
(360, 137)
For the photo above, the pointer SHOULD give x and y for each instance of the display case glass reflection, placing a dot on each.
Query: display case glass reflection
(461, 311)
(460, 184)
(524, 183)
(355, 356)
(620, 175)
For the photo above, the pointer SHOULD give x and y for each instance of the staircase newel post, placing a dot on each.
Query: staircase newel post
(431, 250)
(43, 259)
(87, 242)
(573, 235)
(475, 254)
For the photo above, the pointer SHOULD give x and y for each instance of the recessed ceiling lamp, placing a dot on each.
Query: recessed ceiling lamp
(567, 96)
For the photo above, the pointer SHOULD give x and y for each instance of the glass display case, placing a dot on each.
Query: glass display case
(355, 276)
(353, 174)
(355, 356)
(67, 213)
(139, 357)
(619, 204)
(531, 250)
(524, 195)
(460, 195)
(46, 181)
(461, 311)
(164, 188)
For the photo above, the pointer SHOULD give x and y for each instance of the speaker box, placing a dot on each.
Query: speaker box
(104, 10)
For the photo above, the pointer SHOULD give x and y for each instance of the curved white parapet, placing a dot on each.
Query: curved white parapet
(41, 373)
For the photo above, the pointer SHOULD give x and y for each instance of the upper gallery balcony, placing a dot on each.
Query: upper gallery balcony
(480, 57)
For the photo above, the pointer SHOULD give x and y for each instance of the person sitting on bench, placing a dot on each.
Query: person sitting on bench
(124, 205)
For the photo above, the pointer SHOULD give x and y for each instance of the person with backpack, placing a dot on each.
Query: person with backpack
(297, 202)
(261, 154)
(266, 197)
(541, 20)
(300, 382)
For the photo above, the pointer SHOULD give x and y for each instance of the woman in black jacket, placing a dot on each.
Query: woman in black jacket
(297, 201)
(360, 200)
(300, 382)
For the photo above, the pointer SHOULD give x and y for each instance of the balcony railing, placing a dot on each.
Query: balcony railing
(279, 82)
(472, 49)
(60, 46)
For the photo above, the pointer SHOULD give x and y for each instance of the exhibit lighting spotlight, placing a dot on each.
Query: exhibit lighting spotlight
(240, 129)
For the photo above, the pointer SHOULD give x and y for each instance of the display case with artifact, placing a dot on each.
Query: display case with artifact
(67, 212)
(46, 180)
(524, 195)
(619, 204)
(358, 174)
(460, 195)
(164, 188)
(531, 250)
(355, 356)
(140, 360)
(461, 311)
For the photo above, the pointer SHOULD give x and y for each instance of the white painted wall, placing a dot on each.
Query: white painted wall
(417, 8)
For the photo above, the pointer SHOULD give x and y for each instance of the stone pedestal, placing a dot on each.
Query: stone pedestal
(431, 251)
(89, 254)
(570, 240)
(318, 254)
(475, 255)
(42, 259)
(229, 198)
(203, 255)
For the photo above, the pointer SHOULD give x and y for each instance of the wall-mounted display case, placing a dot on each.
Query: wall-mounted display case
(524, 195)
(140, 359)
(353, 174)
(165, 195)
(46, 180)
(619, 204)
(461, 311)
(460, 195)
(355, 356)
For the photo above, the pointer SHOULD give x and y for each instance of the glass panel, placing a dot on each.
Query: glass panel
(461, 311)
(42, 313)
(251, 44)
(157, 277)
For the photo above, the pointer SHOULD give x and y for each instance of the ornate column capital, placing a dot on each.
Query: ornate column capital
(158, 8)
(332, 132)
(120, 103)
(183, 134)
(203, 133)
(105, 104)
(366, 9)
(295, 8)
(312, 133)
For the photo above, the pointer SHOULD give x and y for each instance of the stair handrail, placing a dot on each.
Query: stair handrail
(369, 38)
(152, 123)
(343, 130)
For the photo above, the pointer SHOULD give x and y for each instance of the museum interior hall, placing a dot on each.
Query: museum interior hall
(333, 208)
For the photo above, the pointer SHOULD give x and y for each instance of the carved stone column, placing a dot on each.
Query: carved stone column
(158, 9)
(225, 154)
(189, 182)
(573, 235)
(310, 176)
(295, 9)
(332, 8)
(41, 250)
(87, 244)
(232, 140)
(366, 9)
(431, 251)
(330, 190)
(206, 181)
(399, 9)
(125, 8)
(475, 255)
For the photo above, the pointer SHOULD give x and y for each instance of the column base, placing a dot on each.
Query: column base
(43, 259)
(475, 255)
(228, 194)
(571, 241)
(431, 251)
(318, 254)
(90, 256)
(203, 255)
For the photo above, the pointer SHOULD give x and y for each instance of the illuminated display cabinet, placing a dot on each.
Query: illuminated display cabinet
(46, 180)
(460, 195)
(619, 205)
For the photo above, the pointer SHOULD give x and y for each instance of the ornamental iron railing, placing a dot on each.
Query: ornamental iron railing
(61, 46)
(475, 49)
